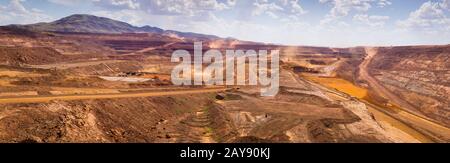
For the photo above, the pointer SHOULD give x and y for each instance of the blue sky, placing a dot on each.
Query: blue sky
(338, 23)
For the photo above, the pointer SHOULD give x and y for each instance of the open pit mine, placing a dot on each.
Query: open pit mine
(88, 79)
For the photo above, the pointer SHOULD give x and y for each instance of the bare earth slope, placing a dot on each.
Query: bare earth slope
(415, 78)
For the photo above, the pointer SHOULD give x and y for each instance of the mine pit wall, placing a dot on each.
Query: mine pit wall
(108, 120)
(420, 75)
(431, 99)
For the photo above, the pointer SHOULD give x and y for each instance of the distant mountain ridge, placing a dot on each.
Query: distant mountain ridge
(82, 23)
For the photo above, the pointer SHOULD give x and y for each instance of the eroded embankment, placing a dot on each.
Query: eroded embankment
(138, 119)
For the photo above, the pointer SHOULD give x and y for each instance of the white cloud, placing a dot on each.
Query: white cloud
(371, 20)
(286, 8)
(159, 7)
(118, 4)
(446, 4)
(431, 16)
(244, 30)
(135, 17)
(68, 2)
(184, 7)
(111, 4)
(342, 8)
(264, 7)
(15, 13)
(383, 3)
(296, 8)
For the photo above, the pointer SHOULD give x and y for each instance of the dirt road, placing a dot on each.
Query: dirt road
(153, 48)
(150, 49)
(380, 89)
(68, 65)
(38, 99)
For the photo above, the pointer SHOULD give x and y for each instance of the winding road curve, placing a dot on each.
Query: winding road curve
(409, 114)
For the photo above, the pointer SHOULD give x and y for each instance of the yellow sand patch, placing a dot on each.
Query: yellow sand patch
(12, 94)
(341, 85)
(392, 124)
(152, 69)
(10, 73)
(80, 91)
(5, 83)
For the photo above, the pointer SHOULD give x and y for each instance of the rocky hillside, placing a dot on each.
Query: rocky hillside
(81, 23)
(90, 24)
